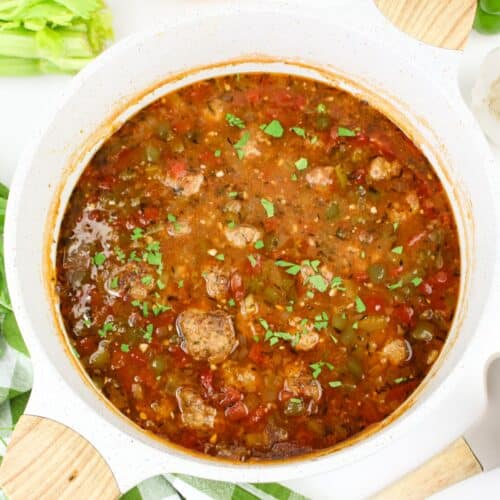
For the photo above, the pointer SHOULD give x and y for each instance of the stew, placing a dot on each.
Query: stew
(258, 266)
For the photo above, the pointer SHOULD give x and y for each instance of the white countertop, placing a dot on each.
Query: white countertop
(26, 104)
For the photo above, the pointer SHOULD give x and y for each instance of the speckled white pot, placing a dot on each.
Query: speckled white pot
(418, 82)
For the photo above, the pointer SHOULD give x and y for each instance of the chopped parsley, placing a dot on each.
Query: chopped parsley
(299, 131)
(231, 224)
(114, 283)
(310, 294)
(416, 281)
(217, 153)
(238, 146)
(274, 337)
(292, 268)
(337, 284)
(87, 322)
(233, 194)
(99, 259)
(231, 303)
(318, 367)
(180, 283)
(220, 256)
(173, 219)
(133, 257)
(297, 401)
(397, 250)
(137, 234)
(345, 132)
(120, 255)
(294, 177)
(234, 121)
(268, 207)
(148, 332)
(399, 284)
(400, 380)
(252, 260)
(321, 108)
(107, 327)
(395, 226)
(143, 306)
(160, 284)
(159, 308)
(273, 128)
(125, 348)
(321, 321)
(154, 257)
(259, 244)
(335, 339)
(301, 164)
(360, 305)
(335, 383)
(314, 139)
(318, 282)
(147, 280)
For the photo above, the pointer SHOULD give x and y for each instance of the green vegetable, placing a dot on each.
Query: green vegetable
(99, 259)
(268, 207)
(238, 146)
(345, 132)
(360, 305)
(273, 128)
(397, 250)
(51, 36)
(234, 121)
(301, 164)
(486, 23)
(299, 131)
(490, 6)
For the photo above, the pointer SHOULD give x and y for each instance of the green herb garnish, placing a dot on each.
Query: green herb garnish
(234, 121)
(299, 131)
(345, 132)
(397, 250)
(360, 305)
(268, 207)
(137, 234)
(301, 164)
(99, 259)
(273, 128)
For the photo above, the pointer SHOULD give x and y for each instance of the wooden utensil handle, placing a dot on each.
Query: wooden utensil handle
(446, 24)
(47, 460)
(454, 464)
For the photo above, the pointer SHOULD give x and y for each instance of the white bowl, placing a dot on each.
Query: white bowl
(358, 58)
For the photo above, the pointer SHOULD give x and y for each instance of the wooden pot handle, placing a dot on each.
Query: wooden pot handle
(47, 460)
(454, 464)
(443, 23)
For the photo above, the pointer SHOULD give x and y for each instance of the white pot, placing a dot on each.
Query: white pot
(415, 85)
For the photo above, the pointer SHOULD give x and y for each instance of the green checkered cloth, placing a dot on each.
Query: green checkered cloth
(16, 376)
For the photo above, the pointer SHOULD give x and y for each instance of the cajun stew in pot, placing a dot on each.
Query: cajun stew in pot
(258, 266)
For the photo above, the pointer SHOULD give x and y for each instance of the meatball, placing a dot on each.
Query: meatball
(217, 282)
(320, 176)
(242, 236)
(206, 336)
(382, 169)
(195, 413)
(130, 281)
(300, 382)
(186, 185)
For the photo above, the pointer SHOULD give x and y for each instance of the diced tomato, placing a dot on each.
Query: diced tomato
(150, 215)
(359, 176)
(107, 182)
(271, 224)
(209, 158)
(177, 168)
(285, 98)
(256, 354)
(236, 285)
(257, 415)
(404, 313)
(396, 271)
(441, 277)
(87, 346)
(237, 411)
(206, 381)
(374, 303)
(228, 397)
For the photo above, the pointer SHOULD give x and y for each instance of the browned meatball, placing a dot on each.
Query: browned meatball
(206, 335)
(195, 413)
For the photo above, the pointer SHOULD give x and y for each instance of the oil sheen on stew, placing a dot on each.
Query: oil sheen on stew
(258, 266)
